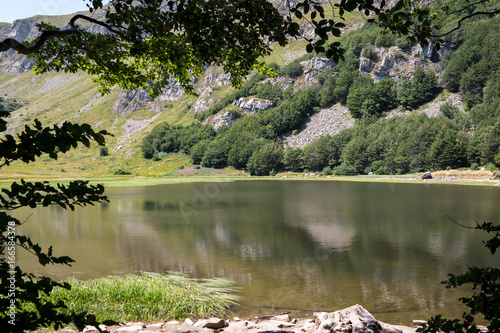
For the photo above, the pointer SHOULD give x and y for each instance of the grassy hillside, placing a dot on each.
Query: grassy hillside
(56, 97)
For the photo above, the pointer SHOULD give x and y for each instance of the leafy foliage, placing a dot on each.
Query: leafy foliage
(485, 301)
(19, 291)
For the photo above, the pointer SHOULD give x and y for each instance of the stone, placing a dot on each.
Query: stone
(239, 327)
(129, 329)
(427, 175)
(104, 328)
(189, 321)
(186, 328)
(419, 322)
(157, 325)
(283, 317)
(68, 330)
(354, 319)
(213, 323)
(90, 329)
(268, 325)
(281, 323)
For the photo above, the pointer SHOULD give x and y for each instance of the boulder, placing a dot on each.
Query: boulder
(225, 119)
(354, 319)
(252, 105)
(427, 175)
(186, 328)
(283, 317)
(213, 323)
(130, 329)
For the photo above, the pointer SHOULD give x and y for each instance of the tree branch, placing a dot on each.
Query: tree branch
(11, 43)
(465, 18)
(460, 224)
(102, 24)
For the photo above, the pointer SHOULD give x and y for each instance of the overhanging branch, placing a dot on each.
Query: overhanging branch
(11, 43)
(459, 24)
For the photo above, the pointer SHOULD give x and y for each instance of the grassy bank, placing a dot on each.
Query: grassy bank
(148, 297)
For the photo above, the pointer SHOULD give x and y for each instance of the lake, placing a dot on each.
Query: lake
(299, 246)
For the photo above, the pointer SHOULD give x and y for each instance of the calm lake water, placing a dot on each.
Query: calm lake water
(299, 246)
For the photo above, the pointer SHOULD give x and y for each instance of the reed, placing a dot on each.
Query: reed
(148, 297)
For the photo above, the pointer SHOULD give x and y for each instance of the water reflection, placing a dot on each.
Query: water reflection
(301, 246)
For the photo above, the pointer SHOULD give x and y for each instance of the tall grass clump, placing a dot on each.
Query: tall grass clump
(148, 297)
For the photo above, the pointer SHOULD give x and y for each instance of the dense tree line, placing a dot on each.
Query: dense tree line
(253, 142)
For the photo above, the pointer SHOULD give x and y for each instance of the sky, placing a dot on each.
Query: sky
(11, 10)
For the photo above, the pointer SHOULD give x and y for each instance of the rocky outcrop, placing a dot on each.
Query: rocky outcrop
(317, 63)
(131, 100)
(21, 30)
(218, 79)
(16, 64)
(391, 62)
(223, 119)
(427, 52)
(253, 105)
(327, 121)
(283, 81)
(313, 67)
(354, 319)
(171, 93)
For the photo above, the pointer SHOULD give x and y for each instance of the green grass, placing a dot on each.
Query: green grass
(148, 297)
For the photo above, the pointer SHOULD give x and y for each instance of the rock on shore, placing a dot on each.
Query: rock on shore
(354, 319)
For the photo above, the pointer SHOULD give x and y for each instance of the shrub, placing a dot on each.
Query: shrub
(293, 69)
(103, 151)
(345, 169)
(122, 171)
(327, 171)
(448, 110)
(474, 166)
(491, 167)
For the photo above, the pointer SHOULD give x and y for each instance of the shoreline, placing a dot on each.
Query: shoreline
(352, 319)
(442, 177)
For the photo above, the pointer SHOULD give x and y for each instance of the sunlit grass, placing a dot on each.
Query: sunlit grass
(148, 297)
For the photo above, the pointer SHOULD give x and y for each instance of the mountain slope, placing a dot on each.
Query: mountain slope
(131, 115)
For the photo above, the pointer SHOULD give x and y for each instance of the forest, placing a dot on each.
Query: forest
(397, 145)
